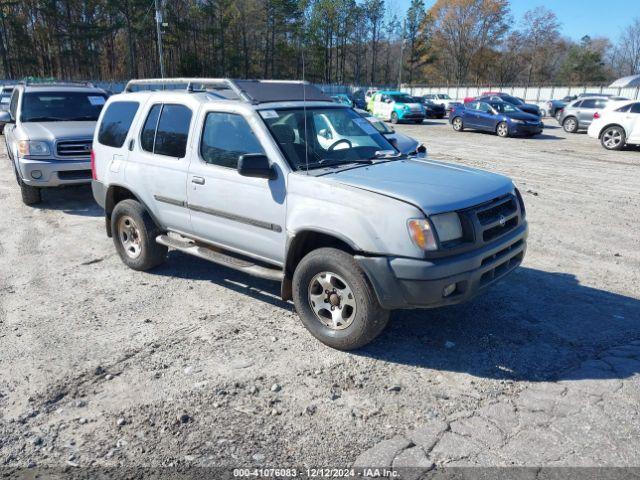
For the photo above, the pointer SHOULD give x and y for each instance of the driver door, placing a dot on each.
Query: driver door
(242, 214)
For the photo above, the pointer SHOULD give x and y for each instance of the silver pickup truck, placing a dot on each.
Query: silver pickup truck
(274, 179)
(48, 132)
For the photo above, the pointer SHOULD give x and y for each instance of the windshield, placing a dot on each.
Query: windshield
(333, 136)
(512, 100)
(503, 107)
(379, 125)
(444, 96)
(4, 98)
(61, 106)
(402, 98)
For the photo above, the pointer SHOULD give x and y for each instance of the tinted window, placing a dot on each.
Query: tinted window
(576, 104)
(148, 137)
(484, 107)
(635, 108)
(589, 103)
(173, 130)
(13, 106)
(61, 106)
(225, 137)
(626, 108)
(116, 122)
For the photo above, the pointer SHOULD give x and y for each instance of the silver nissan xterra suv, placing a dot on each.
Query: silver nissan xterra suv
(274, 179)
(48, 133)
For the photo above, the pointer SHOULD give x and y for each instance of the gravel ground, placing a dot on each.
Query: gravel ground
(194, 364)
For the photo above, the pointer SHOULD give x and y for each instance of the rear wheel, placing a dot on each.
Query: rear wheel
(394, 117)
(134, 236)
(335, 300)
(457, 124)
(558, 115)
(502, 129)
(613, 138)
(570, 125)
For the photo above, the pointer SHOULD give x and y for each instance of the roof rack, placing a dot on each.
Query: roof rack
(53, 83)
(251, 91)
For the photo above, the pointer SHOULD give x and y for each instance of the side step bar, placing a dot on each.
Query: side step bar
(220, 258)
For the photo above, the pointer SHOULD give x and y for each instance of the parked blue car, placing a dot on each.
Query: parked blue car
(500, 117)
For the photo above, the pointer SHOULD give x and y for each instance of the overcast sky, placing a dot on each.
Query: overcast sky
(577, 17)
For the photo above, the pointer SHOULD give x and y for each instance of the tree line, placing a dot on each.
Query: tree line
(360, 42)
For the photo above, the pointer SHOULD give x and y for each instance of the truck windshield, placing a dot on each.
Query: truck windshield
(332, 136)
(61, 106)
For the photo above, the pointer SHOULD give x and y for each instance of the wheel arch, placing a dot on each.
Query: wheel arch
(304, 241)
(611, 125)
(115, 194)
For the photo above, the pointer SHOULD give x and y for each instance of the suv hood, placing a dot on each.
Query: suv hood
(434, 187)
(58, 130)
(522, 115)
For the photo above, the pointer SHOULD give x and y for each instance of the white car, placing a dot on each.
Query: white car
(441, 98)
(617, 125)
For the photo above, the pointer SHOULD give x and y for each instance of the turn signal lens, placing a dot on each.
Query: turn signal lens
(422, 234)
(23, 147)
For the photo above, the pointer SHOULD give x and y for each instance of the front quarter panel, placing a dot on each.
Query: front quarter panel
(368, 222)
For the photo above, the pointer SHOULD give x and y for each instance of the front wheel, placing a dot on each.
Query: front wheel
(570, 125)
(335, 300)
(502, 129)
(30, 195)
(394, 117)
(134, 236)
(457, 124)
(613, 138)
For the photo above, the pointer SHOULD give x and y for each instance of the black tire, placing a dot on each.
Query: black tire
(394, 117)
(613, 138)
(368, 319)
(502, 129)
(440, 117)
(418, 122)
(570, 124)
(30, 195)
(457, 124)
(130, 220)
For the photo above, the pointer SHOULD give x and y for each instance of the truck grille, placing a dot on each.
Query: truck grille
(498, 217)
(74, 148)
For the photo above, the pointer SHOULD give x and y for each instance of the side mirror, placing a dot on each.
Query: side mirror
(5, 117)
(256, 165)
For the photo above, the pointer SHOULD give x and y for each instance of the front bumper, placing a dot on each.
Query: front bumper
(413, 283)
(411, 116)
(523, 129)
(54, 173)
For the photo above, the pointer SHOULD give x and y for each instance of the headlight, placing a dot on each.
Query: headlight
(422, 234)
(448, 226)
(31, 147)
(515, 120)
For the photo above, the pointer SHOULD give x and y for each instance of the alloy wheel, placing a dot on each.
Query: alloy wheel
(503, 129)
(129, 235)
(612, 138)
(332, 300)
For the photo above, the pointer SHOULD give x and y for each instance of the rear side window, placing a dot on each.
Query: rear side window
(635, 108)
(626, 108)
(589, 103)
(116, 122)
(166, 130)
(225, 137)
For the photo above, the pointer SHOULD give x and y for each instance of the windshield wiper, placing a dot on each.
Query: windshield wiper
(326, 163)
(85, 117)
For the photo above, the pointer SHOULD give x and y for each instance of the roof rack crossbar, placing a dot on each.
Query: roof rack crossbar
(49, 83)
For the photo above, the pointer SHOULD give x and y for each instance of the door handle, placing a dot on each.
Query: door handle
(197, 180)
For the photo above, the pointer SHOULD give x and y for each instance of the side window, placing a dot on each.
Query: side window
(474, 105)
(226, 136)
(148, 137)
(626, 108)
(173, 130)
(635, 108)
(483, 107)
(116, 122)
(576, 105)
(601, 103)
(589, 103)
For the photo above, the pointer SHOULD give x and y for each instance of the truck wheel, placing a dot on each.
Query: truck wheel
(502, 129)
(30, 195)
(570, 125)
(613, 138)
(335, 301)
(394, 117)
(457, 124)
(134, 235)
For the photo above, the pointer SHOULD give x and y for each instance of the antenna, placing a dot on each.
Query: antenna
(304, 113)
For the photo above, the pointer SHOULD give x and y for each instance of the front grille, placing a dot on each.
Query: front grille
(501, 269)
(74, 148)
(498, 217)
(74, 175)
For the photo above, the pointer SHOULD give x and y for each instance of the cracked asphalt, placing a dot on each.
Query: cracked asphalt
(196, 365)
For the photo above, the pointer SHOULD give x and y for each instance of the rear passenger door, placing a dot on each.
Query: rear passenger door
(242, 214)
(587, 108)
(158, 165)
(632, 121)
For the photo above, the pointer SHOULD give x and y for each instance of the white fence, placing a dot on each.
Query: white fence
(530, 94)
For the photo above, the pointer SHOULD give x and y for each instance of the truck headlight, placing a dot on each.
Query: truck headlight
(422, 234)
(32, 147)
(448, 226)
